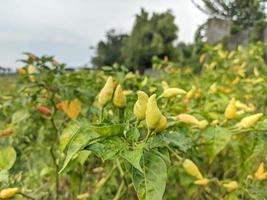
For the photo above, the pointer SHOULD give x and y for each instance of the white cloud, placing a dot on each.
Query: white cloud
(67, 28)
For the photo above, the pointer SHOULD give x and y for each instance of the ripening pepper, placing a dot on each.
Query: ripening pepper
(106, 93)
(232, 185)
(249, 121)
(44, 110)
(119, 99)
(191, 168)
(8, 193)
(260, 174)
(230, 111)
(153, 113)
(163, 123)
(6, 132)
(140, 106)
(172, 92)
(202, 182)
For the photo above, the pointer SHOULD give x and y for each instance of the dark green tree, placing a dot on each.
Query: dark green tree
(109, 52)
(243, 13)
(151, 36)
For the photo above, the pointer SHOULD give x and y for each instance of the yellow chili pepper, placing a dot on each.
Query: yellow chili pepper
(188, 119)
(230, 111)
(249, 121)
(106, 93)
(163, 123)
(8, 193)
(164, 85)
(202, 182)
(172, 92)
(119, 98)
(260, 174)
(140, 106)
(191, 168)
(153, 113)
(232, 185)
(190, 94)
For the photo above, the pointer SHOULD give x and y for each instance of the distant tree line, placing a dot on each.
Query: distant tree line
(156, 34)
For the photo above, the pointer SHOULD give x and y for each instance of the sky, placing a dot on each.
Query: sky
(68, 28)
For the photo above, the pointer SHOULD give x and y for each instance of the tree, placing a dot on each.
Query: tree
(150, 36)
(243, 13)
(109, 52)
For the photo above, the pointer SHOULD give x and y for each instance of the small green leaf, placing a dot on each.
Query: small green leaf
(7, 158)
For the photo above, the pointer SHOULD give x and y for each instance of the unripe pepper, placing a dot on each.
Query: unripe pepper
(249, 121)
(163, 123)
(153, 113)
(140, 106)
(191, 168)
(119, 98)
(172, 92)
(44, 110)
(230, 111)
(8, 193)
(232, 185)
(106, 93)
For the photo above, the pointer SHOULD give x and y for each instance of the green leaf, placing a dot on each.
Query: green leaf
(173, 138)
(71, 129)
(134, 156)
(8, 157)
(216, 138)
(107, 130)
(81, 139)
(109, 148)
(19, 116)
(83, 155)
(151, 184)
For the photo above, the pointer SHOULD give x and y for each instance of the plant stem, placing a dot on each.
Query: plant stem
(174, 153)
(26, 196)
(57, 170)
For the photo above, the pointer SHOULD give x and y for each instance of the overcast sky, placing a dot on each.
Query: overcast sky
(67, 28)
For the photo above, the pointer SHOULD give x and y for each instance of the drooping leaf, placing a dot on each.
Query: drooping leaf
(81, 139)
(8, 157)
(151, 184)
(71, 129)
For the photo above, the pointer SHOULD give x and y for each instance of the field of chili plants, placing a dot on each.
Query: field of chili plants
(115, 134)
